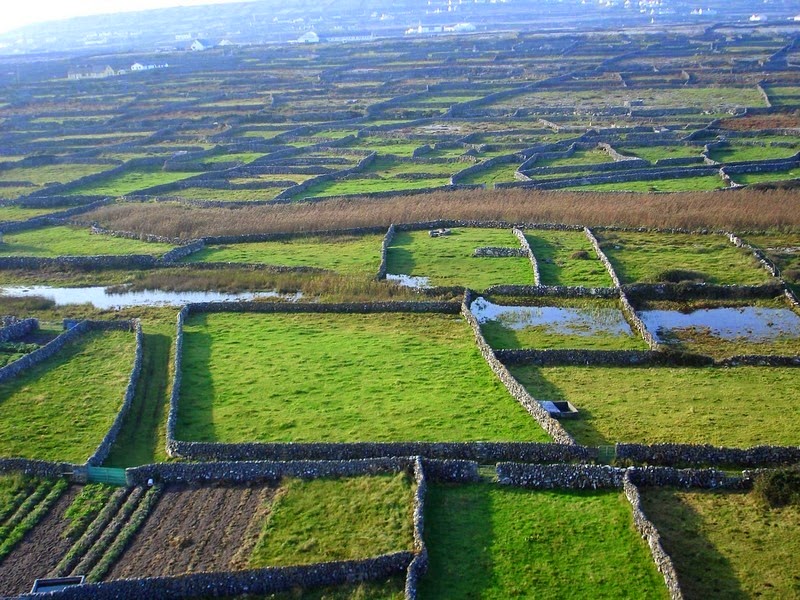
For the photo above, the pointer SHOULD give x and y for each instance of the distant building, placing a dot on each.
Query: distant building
(137, 67)
(308, 38)
(200, 45)
(91, 72)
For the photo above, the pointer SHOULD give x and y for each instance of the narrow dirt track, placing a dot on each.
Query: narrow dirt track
(39, 551)
(196, 529)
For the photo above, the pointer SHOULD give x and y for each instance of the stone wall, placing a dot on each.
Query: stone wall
(387, 242)
(18, 329)
(289, 193)
(483, 452)
(180, 252)
(584, 477)
(526, 247)
(125, 261)
(686, 454)
(680, 292)
(259, 582)
(559, 291)
(633, 319)
(621, 358)
(548, 423)
(36, 468)
(499, 252)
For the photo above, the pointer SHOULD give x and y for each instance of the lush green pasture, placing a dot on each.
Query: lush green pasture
(727, 544)
(62, 408)
(567, 258)
(448, 260)
(73, 241)
(736, 153)
(126, 183)
(580, 157)
(345, 254)
(58, 173)
(704, 183)
(553, 335)
(488, 541)
(738, 407)
(497, 174)
(653, 257)
(219, 195)
(387, 167)
(19, 213)
(751, 178)
(654, 153)
(341, 378)
(337, 519)
(347, 187)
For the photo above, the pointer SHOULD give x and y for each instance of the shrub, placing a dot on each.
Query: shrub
(679, 275)
(580, 255)
(779, 488)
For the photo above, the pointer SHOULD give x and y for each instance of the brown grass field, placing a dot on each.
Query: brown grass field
(742, 210)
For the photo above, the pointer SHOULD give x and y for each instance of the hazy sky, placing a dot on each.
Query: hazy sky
(17, 13)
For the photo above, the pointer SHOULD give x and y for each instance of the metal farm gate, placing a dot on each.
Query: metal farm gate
(106, 475)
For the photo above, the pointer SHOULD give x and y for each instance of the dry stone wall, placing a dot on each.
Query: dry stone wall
(526, 247)
(18, 330)
(548, 423)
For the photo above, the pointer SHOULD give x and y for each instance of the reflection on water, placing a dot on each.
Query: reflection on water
(99, 298)
(756, 323)
(409, 281)
(565, 321)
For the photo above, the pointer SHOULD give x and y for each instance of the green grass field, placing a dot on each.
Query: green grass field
(341, 378)
(58, 173)
(62, 408)
(727, 154)
(448, 260)
(359, 255)
(580, 157)
(736, 407)
(497, 174)
(337, 519)
(567, 258)
(349, 187)
(126, 183)
(751, 178)
(655, 153)
(73, 241)
(492, 542)
(18, 213)
(726, 544)
(649, 257)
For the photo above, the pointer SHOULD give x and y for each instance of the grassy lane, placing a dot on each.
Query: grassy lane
(567, 258)
(142, 438)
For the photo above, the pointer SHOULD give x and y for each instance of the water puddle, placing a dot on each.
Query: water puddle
(565, 321)
(756, 323)
(100, 298)
(409, 281)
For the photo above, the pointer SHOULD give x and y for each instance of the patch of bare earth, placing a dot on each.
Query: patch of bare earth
(39, 551)
(196, 529)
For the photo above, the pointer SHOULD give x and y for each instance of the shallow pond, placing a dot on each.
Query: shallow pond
(756, 323)
(409, 281)
(564, 321)
(100, 298)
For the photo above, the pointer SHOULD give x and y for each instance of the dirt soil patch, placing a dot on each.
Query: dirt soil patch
(39, 551)
(197, 529)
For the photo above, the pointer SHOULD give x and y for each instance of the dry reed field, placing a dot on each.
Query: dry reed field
(741, 210)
